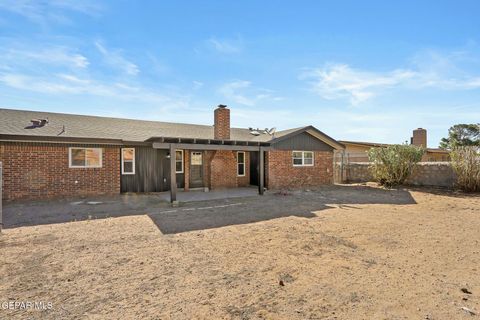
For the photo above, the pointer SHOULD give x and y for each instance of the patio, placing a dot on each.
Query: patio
(19, 214)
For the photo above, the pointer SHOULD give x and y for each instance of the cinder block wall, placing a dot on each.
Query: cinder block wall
(439, 174)
(222, 170)
(358, 172)
(40, 171)
(282, 173)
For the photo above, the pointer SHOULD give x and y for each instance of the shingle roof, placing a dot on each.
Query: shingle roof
(17, 122)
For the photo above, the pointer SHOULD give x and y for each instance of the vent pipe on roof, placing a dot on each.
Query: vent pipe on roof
(39, 122)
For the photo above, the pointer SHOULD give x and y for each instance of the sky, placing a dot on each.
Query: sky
(356, 70)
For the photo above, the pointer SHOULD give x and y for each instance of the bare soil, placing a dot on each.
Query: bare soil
(344, 252)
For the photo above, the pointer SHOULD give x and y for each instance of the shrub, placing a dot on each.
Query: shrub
(392, 165)
(466, 164)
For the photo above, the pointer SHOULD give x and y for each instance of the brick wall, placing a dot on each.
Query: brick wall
(282, 173)
(222, 170)
(40, 171)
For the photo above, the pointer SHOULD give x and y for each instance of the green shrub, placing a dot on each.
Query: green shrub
(466, 164)
(392, 165)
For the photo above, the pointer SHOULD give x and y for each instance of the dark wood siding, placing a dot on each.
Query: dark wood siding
(303, 141)
(152, 172)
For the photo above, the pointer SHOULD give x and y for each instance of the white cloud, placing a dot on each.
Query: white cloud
(197, 85)
(340, 80)
(428, 70)
(115, 59)
(56, 55)
(242, 92)
(226, 46)
(67, 84)
(230, 91)
(42, 12)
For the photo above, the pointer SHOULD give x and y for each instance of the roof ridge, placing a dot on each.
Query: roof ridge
(115, 118)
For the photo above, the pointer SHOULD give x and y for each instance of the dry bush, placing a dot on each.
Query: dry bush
(392, 165)
(466, 164)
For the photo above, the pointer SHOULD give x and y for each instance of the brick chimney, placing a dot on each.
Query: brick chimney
(222, 123)
(419, 137)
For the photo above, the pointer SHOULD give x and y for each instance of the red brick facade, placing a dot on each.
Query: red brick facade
(282, 174)
(41, 171)
(221, 170)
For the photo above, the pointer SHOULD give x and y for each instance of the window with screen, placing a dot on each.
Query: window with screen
(85, 157)
(240, 163)
(128, 161)
(302, 158)
(179, 161)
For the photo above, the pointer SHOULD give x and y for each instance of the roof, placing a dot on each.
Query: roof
(17, 122)
(71, 126)
(373, 144)
(362, 143)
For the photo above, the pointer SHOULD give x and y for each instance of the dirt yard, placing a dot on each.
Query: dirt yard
(343, 252)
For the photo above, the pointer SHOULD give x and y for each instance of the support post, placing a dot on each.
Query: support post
(1, 196)
(261, 171)
(173, 175)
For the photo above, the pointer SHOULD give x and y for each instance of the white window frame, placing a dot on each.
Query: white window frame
(132, 161)
(244, 164)
(303, 159)
(183, 161)
(100, 165)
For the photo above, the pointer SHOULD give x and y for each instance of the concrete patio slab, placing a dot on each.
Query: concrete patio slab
(200, 195)
(27, 213)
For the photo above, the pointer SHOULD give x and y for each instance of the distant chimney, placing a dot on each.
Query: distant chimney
(222, 123)
(419, 137)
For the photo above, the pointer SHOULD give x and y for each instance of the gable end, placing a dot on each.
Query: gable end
(302, 141)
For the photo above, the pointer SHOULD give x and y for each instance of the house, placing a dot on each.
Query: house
(47, 155)
(356, 151)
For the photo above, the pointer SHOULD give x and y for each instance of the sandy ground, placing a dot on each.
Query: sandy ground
(355, 259)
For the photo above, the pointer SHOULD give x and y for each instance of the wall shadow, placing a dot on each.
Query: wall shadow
(273, 206)
(202, 214)
(34, 213)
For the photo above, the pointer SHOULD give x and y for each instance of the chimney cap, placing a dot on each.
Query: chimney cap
(222, 106)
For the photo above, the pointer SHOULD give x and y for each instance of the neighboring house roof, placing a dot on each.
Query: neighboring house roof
(373, 144)
(363, 144)
(61, 125)
(280, 136)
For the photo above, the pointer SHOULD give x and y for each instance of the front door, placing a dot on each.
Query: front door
(196, 169)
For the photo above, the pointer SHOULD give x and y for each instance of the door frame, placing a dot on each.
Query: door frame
(191, 183)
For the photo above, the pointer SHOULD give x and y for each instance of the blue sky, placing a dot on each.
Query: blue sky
(357, 70)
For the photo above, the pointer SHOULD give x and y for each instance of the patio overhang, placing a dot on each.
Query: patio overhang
(173, 144)
(207, 144)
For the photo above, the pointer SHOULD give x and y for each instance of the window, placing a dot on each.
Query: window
(302, 158)
(85, 157)
(196, 159)
(241, 163)
(128, 161)
(179, 161)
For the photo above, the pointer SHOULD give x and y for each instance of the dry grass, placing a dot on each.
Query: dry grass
(357, 261)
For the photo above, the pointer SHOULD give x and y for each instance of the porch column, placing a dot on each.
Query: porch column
(261, 170)
(1, 196)
(173, 174)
